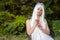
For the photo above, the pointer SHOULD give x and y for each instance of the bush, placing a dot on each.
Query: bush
(56, 27)
(5, 19)
(17, 26)
(9, 23)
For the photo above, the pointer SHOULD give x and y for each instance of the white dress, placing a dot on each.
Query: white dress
(39, 35)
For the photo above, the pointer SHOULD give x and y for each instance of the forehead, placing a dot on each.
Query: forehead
(39, 7)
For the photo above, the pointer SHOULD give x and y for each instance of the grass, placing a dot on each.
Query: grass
(14, 37)
(20, 37)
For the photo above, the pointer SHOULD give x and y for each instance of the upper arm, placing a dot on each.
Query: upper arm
(47, 27)
(27, 26)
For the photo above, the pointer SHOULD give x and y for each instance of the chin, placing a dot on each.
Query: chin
(39, 15)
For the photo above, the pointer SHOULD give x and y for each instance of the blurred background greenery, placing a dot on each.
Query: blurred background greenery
(14, 13)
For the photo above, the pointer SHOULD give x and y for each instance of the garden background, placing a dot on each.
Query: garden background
(14, 13)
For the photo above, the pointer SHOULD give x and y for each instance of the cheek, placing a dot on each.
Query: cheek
(38, 11)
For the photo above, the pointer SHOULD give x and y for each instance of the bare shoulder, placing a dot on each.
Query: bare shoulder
(28, 21)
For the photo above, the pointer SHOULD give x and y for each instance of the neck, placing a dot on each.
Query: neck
(38, 17)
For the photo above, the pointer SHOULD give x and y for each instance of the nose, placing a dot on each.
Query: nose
(40, 10)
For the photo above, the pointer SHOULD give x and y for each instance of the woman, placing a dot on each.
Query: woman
(37, 26)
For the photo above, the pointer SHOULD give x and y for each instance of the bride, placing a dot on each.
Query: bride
(37, 26)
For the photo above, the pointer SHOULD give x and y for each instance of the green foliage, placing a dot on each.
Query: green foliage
(5, 15)
(49, 11)
(5, 18)
(56, 27)
(10, 23)
(17, 25)
(6, 2)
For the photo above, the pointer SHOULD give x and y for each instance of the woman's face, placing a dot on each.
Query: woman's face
(39, 11)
